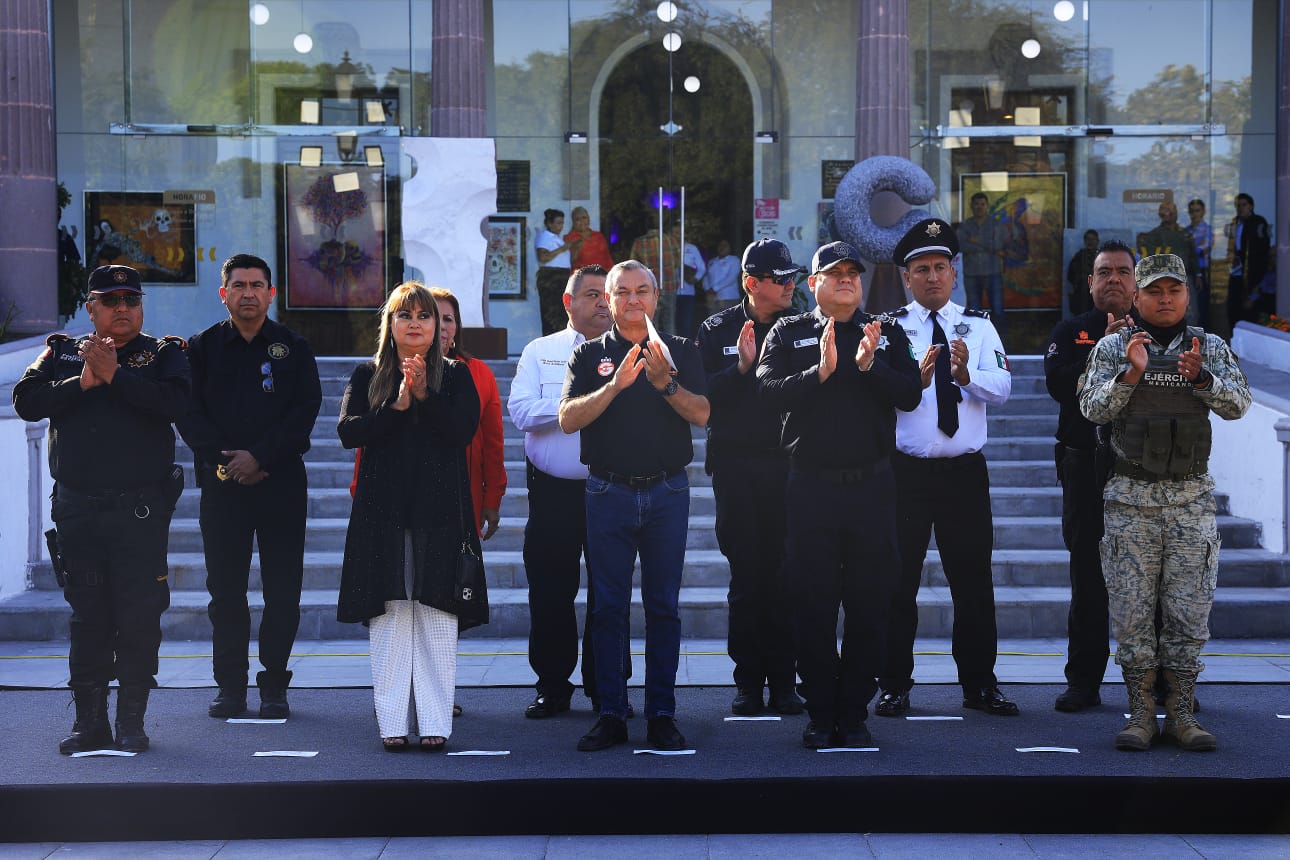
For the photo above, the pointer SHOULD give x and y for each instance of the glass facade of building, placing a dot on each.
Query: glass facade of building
(1124, 104)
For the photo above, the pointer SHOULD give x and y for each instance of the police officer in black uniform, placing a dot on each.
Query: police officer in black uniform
(110, 398)
(1082, 476)
(749, 474)
(256, 396)
(838, 374)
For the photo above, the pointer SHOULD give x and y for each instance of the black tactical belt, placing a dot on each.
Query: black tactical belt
(1132, 470)
(937, 464)
(636, 482)
(845, 476)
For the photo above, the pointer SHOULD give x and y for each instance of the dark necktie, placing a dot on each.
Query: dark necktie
(947, 393)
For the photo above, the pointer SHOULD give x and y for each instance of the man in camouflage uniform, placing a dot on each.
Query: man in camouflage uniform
(1155, 383)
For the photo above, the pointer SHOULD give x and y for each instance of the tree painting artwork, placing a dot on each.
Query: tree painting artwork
(335, 237)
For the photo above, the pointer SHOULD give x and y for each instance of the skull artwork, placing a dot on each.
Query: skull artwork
(161, 220)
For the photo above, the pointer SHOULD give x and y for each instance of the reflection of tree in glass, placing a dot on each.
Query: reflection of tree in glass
(331, 207)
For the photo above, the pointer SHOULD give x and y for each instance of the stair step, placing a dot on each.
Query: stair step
(1022, 612)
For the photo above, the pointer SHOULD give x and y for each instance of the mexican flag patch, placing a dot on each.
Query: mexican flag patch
(1003, 361)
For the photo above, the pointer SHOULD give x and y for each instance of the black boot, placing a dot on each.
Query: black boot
(131, 704)
(91, 730)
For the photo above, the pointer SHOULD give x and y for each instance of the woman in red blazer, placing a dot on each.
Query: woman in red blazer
(485, 458)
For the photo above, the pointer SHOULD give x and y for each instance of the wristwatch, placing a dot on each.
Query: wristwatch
(670, 388)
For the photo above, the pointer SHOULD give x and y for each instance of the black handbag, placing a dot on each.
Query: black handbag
(470, 588)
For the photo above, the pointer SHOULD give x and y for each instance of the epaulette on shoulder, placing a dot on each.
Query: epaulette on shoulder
(976, 312)
(57, 338)
(887, 317)
(795, 318)
(176, 340)
(897, 313)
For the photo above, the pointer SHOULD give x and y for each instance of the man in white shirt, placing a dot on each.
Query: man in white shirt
(687, 294)
(722, 280)
(941, 477)
(556, 534)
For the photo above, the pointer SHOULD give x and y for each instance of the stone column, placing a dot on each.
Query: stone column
(29, 224)
(882, 115)
(1282, 217)
(882, 79)
(457, 107)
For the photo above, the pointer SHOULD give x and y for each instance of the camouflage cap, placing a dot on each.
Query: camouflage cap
(1157, 266)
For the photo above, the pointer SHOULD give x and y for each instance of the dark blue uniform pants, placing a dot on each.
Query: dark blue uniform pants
(751, 523)
(841, 552)
(952, 496)
(114, 551)
(273, 513)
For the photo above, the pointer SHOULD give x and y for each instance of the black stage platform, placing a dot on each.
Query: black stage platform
(202, 781)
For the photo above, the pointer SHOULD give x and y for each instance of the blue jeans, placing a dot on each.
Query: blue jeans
(977, 287)
(621, 522)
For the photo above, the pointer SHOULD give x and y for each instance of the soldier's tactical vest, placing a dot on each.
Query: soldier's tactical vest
(1166, 426)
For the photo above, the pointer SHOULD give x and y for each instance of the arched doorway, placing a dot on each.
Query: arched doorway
(710, 151)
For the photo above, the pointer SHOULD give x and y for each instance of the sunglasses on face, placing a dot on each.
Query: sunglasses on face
(781, 280)
(112, 300)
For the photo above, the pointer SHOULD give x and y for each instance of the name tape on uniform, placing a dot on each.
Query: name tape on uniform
(806, 341)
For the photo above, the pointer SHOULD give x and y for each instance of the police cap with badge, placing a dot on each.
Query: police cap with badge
(114, 279)
(828, 256)
(768, 258)
(930, 236)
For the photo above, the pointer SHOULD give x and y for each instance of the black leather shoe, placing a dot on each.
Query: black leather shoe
(664, 735)
(990, 700)
(854, 737)
(1075, 699)
(817, 735)
(273, 703)
(747, 703)
(892, 703)
(607, 732)
(546, 706)
(230, 702)
(786, 702)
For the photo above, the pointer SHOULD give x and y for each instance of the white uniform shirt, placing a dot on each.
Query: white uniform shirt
(534, 405)
(548, 241)
(723, 277)
(991, 382)
(694, 259)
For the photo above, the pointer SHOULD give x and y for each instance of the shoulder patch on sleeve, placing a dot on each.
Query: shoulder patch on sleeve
(55, 339)
(176, 340)
(976, 312)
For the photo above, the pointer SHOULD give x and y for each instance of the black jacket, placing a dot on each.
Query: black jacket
(412, 477)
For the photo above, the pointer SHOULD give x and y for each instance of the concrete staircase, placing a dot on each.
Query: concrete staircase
(1030, 563)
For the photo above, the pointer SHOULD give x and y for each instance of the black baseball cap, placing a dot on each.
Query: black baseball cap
(828, 256)
(115, 279)
(768, 258)
(929, 236)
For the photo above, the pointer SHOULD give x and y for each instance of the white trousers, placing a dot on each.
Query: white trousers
(414, 664)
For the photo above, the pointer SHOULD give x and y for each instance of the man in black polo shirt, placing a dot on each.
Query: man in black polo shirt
(838, 374)
(749, 474)
(633, 393)
(256, 395)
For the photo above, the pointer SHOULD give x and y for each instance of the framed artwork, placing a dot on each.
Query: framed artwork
(335, 237)
(137, 229)
(504, 265)
(1032, 209)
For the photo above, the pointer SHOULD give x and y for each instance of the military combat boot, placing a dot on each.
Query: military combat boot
(131, 703)
(1140, 732)
(1180, 720)
(91, 731)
